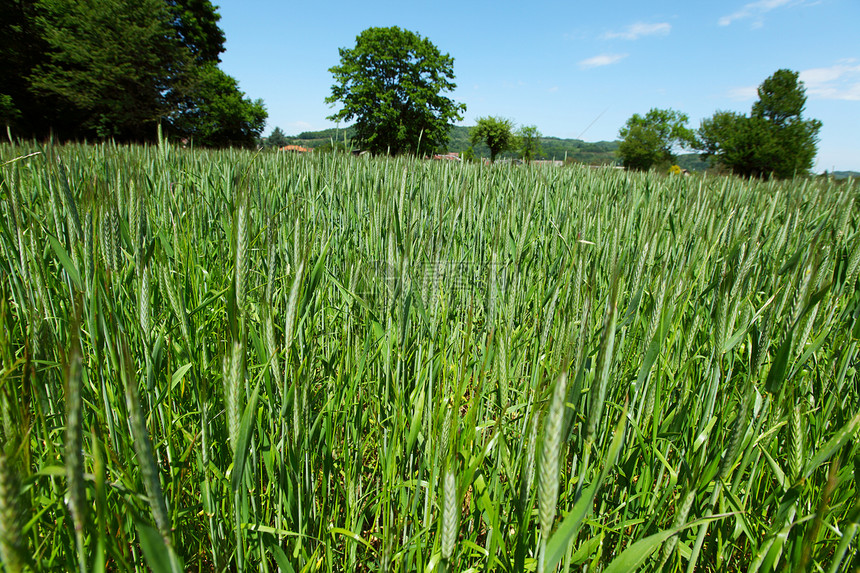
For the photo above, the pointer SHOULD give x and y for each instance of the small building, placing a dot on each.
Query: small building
(295, 148)
(453, 156)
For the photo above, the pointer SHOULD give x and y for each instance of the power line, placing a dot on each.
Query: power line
(592, 123)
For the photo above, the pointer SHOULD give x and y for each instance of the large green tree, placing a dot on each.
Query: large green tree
(774, 140)
(210, 108)
(652, 140)
(496, 132)
(215, 113)
(115, 68)
(392, 84)
(106, 64)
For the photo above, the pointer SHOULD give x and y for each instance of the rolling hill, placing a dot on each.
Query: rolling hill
(600, 152)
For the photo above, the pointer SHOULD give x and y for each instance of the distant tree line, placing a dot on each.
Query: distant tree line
(117, 68)
(774, 140)
(459, 140)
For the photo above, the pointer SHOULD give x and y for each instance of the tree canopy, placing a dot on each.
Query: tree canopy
(496, 132)
(109, 79)
(115, 68)
(196, 25)
(652, 139)
(774, 140)
(277, 138)
(216, 113)
(392, 83)
(528, 137)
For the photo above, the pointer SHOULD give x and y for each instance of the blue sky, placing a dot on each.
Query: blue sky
(573, 69)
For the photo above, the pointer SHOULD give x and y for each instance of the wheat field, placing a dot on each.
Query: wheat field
(237, 361)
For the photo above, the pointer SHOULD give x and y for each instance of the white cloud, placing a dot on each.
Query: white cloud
(601, 60)
(839, 81)
(744, 93)
(755, 10)
(640, 29)
(299, 126)
(553, 89)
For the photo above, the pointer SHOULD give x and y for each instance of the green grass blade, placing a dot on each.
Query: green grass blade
(833, 445)
(245, 431)
(158, 556)
(638, 553)
(65, 260)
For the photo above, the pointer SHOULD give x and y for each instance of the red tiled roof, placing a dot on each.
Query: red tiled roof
(297, 148)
